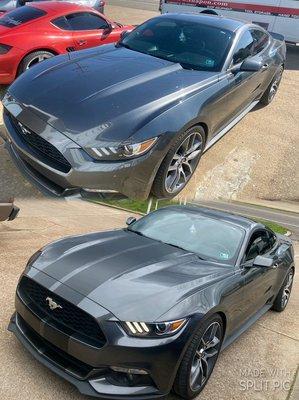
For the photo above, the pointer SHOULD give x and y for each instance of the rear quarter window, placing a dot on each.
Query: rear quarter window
(20, 16)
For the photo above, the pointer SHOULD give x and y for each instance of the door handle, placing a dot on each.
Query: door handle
(265, 67)
(81, 42)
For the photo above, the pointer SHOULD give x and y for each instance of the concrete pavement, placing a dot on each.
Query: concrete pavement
(260, 365)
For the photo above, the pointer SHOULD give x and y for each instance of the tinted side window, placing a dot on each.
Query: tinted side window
(21, 15)
(261, 40)
(259, 244)
(244, 48)
(62, 23)
(83, 21)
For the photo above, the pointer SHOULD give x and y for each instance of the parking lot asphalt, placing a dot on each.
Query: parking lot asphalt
(260, 365)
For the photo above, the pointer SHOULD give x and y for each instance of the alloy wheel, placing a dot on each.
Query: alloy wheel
(184, 162)
(205, 356)
(275, 86)
(287, 290)
(37, 59)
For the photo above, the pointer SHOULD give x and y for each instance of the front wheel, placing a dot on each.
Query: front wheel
(180, 163)
(272, 89)
(283, 295)
(200, 358)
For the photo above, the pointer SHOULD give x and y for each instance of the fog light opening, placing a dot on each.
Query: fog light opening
(121, 376)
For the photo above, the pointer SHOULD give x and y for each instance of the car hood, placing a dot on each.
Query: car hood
(104, 94)
(134, 277)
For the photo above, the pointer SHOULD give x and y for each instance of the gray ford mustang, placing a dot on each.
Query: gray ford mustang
(135, 312)
(135, 117)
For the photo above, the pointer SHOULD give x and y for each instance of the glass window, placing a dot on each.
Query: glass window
(259, 244)
(261, 40)
(192, 231)
(244, 48)
(84, 21)
(21, 15)
(192, 44)
(62, 23)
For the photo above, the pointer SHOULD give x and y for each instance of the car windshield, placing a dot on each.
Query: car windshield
(192, 44)
(211, 239)
(20, 15)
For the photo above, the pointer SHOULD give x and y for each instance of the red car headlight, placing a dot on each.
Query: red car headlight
(4, 48)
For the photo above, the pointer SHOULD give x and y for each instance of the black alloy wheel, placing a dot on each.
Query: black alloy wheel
(200, 358)
(284, 294)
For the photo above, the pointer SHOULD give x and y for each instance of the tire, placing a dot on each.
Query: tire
(284, 293)
(34, 58)
(183, 382)
(272, 89)
(181, 164)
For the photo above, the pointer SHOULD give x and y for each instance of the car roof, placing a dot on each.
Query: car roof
(54, 7)
(217, 21)
(234, 219)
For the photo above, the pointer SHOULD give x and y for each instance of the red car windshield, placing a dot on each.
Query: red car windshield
(20, 16)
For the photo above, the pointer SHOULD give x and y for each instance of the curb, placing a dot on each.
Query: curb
(118, 208)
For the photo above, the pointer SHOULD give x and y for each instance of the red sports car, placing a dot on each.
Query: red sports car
(40, 30)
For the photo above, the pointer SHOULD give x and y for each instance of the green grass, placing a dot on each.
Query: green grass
(141, 207)
(272, 225)
(136, 205)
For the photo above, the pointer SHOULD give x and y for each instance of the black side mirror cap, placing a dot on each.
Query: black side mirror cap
(251, 65)
(130, 220)
(261, 261)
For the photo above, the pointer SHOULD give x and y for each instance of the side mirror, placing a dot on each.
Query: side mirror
(107, 30)
(261, 261)
(251, 65)
(130, 220)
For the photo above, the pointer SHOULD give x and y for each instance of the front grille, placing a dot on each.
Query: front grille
(41, 147)
(68, 318)
(62, 359)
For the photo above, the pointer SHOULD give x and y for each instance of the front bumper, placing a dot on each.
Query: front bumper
(88, 367)
(132, 178)
(9, 64)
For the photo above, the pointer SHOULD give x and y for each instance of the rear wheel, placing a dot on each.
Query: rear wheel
(180, 163)
(283, 295)
(200, 358)
(34, 58)
(272, 89)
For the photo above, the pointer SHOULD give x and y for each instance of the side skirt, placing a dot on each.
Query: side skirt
(247, 324)
(230, 125)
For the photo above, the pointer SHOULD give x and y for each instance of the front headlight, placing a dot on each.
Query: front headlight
(122, 151)
(158, 329)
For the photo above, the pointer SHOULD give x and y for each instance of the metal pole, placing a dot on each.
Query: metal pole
(149, 206)
(156, 207)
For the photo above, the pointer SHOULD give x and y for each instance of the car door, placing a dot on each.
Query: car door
(260, 283)
(242, 87)
(89, 30)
